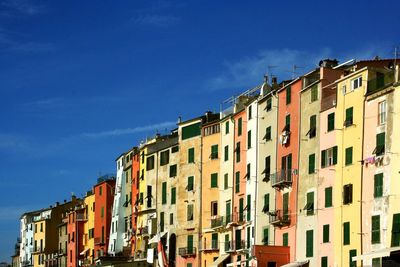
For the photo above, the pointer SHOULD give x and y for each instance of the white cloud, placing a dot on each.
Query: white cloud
(25, 7)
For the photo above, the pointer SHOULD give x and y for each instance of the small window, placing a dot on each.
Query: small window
(352, 253)
(349, 156)
(267, 135)
(237, 152)
(325, 233)
(164, 193)
(248, 173)
(346, 233)
(226, 153)
(287, 123)
(375, 229)
(173, 195)
(382, 112)
(329, 157)
(265, 239)
(227, 127)
(164, 158)
(378, 185)
(171, 218)
(314, 93)
(311, 164)
(267, 170)
(214, 152)
(349, 117)
(250, 113)
(214, 208)
(150, 163)
(248, 139)
(309, 243)
(328, 197)
(347, 194)
(174, 149)
(190, 212)
(288, 95)
(237, 182)
(331, 121)
(214, 180)
(191, 155)
(285, 239)
(239, 126)
(356, 83)
(190, 184)
(380, 144)
(324, 261)
(173, 170)
(225, 181)
(266, 203)
(312, 132)
(309, 207)
(268, 105)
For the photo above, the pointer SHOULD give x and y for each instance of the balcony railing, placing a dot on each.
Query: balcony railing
(81, 217)
(282, 178)
(213, 245)
(380, 82)
(220, 222)
(236, 246)
(187, 252)
(99, 241)
(279, 217)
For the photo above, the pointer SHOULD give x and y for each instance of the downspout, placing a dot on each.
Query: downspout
(276, 147)
(256, 181)
(341, 178)
(155, 199)
(201, 186)
(298, 173)
(233, 175)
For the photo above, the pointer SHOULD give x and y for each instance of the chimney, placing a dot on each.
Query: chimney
(328, 63)
(274, 80)
(265, 78)
(57, 203)
(179, 119)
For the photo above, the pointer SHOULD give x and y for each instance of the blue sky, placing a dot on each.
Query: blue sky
(83, 81)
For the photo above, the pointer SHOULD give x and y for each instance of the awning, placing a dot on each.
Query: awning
(376, 254)
(84, 251)
(296, 264)
(219, 260)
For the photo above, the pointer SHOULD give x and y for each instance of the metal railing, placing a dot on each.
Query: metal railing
(381, 82)
(282, 178)
(279, 217)
(187, 252)
(235, 245)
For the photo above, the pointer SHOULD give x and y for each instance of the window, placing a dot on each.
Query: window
(213, 129)
(141, 198)
(173, 169)
(164, 158)
(288, 95)
(191, 131)
(396, 230)
(309, 243)
(312, 132)
(349, 156)
(190, 243)
(268, 105)
(267, 170)
(328, 197)
(267, 135)
(356, 83)
(150, 163)
(382, 112)
(248, 173)
(248, 139)
(287, 123)
(324, 261)
(226, 153)
(190, 184)
(191, 155)
(311, 164)
(285, 239)
(376, 262)
(329, 157)
(309, 207)
(352, 253)
(227, 127)
(171, 218)
(380, 144)
(214, 241)
(164, 193)
(162, 221)
(239, 127)
(149, 196)
(174, 149)
(214, 152)
(346, 233)
(214, 208)
(100, 190)
(173, 195)
(375, 229)
(347, 194)
(190, 212)
(214, 180)
(314, 93)
(325, 233)
(378, 185)
(248, 207)
(225, 181)
(250, 113)
(331, 121)
(349, 117)
(237, 151)
(237, 182)
(266, 203)
(102, 212)
(265, 239)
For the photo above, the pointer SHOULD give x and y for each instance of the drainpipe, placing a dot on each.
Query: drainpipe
(298, 174)
(233, 174)
(200, 198)
(155, 199)
(256, 181)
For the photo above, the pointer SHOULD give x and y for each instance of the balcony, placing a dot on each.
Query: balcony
(283, 178)
(99, 241)
(279, 218)
(381, 81)
(210, 246)
(38, 250)
(81, 217)
(187, 252)
(237, 246)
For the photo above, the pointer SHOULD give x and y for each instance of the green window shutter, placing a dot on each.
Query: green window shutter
(214, 240)
(378, 185)
(162, 221)
(214, 151)
(396, 230)
(309, 243)
(380, 144)
(239, 127)
(190, 241)
(285, 239)
(191, 155)
(225, 181)
(267, 166)
(328, 197)
(288, 95)
(266, 203)
(269, 104)
(237, 152)
(311, 164)
(346, 233)
(310, 203)
(173, 195)
(191, 131)
(164, 193)
(331, 122)
(323, 158)
(265, 236)
(314, 93)
(190, 183)
(376, 262)
(324, 261)
(226, 127)
(226, 153)
(237, 182)
(241, 208)
(325, 233)
(349, 116)
(214, 180)
(313, 121)
(375, 229)
(349, 156)
(268, 133)
(352, 253)
(249, 139)
(285, 204)
(248, 236)
(172, 170)
(102, 212)
(248, 210)
(334, 155)
(287, 122)
(248, 173)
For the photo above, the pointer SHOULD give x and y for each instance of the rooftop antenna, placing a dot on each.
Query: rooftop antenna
(269, 73)
(295, 67)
